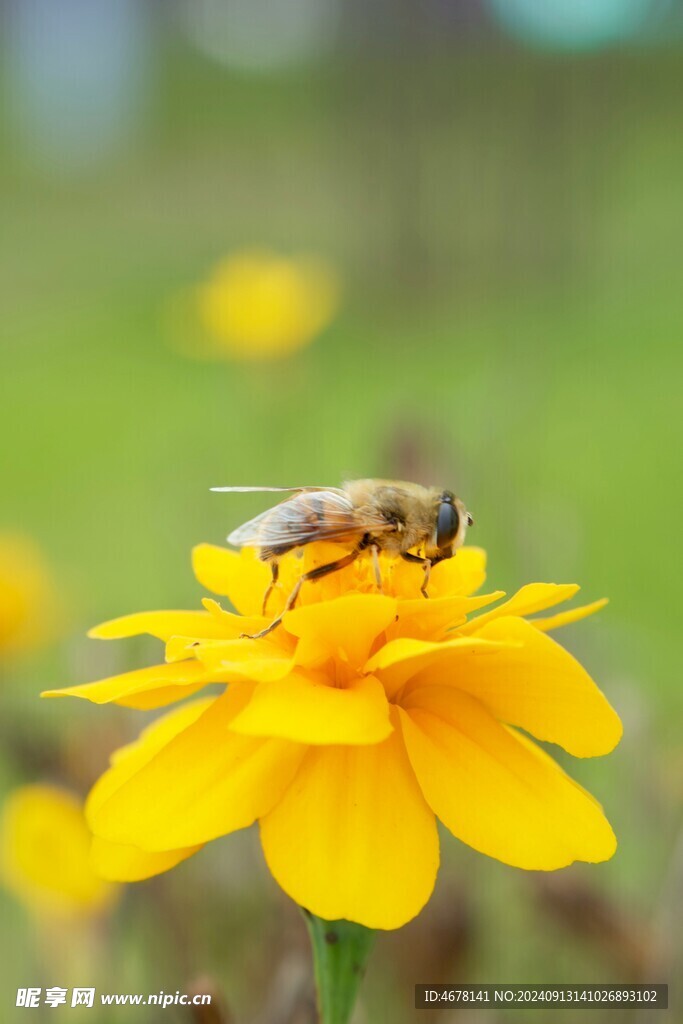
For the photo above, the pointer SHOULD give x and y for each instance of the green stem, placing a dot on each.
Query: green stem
(340, 953)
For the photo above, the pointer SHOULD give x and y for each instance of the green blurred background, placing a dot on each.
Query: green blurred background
(503, 204)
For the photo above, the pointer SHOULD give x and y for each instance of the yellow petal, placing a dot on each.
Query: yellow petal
(353, 837)
(234, 660)
(119, 863)
(239, 575)
(497, 791)
(127, 760)
(161, 625)
(566, 618)
(431, 619)
(345, 627)
(539, 686)
(533, 597)
(121, 689)
(400, 578)
(462, 574)
(399, 660)
(150, 700)
(205, 782)
(233, 626)
(306, 710)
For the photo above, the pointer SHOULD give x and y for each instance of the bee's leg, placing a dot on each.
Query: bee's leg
(426, 564)
(325, 570)
(312, 575)
(274, 573)
(425, 581)
(375, 565)
(291, 601)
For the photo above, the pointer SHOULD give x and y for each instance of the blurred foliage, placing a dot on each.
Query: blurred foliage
(508, 228)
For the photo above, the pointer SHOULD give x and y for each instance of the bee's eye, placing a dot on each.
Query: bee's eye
(446, 524)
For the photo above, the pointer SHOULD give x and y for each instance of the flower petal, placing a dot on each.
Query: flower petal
(205, 782)
(566, 618)
(120, 689)
(537, 685)
(127, 760)
(234, 660)
(239, 575)
(462, 574)
(162, 625)
(344, 627)
(399, 660)
(119, 863)
(234, 626)
(353, 837)
(533, 597)
(430, 620)
(305, 710)
(496, 790)
(150, 700)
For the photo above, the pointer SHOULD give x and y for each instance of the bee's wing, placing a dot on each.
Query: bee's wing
(316, 515)
(245, 490)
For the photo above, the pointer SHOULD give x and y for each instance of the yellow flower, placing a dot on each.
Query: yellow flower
(351, 728)
(46, 854)
(258, 306)
(27, 599)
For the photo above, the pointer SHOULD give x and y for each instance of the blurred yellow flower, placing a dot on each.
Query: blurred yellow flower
(348, 730)
(27, 596)
(259, 306)
(46, 854)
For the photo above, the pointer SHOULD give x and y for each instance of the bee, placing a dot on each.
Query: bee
(375, 515)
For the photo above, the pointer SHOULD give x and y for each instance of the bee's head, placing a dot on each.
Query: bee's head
(452, 520)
